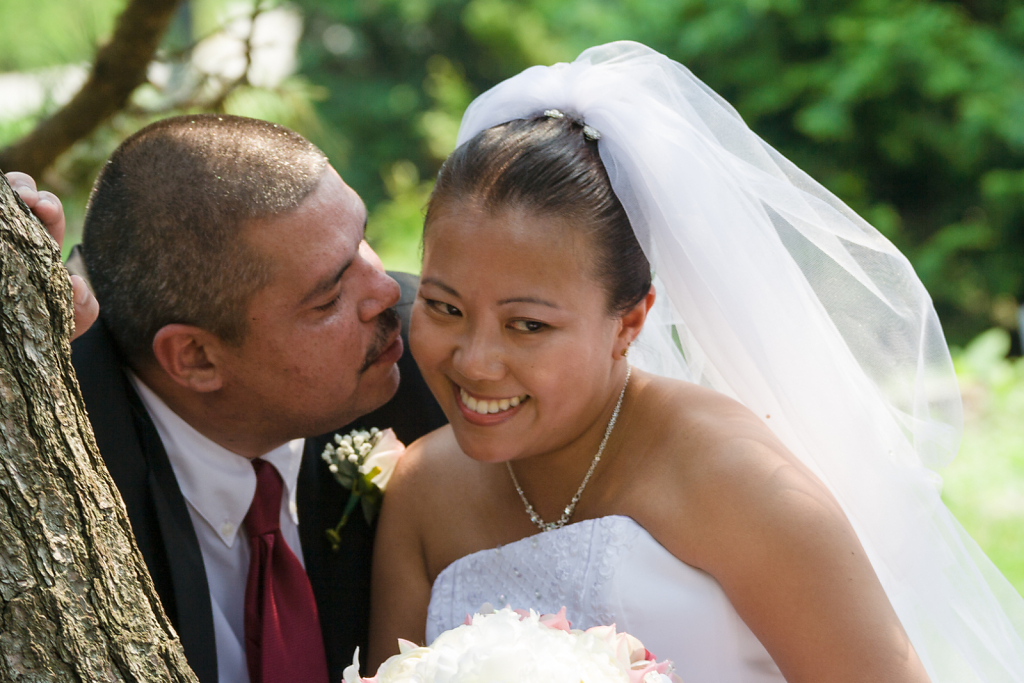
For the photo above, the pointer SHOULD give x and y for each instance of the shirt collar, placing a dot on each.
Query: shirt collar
(217, 483)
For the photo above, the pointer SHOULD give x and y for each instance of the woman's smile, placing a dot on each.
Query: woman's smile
(486, 406)
(486, 412)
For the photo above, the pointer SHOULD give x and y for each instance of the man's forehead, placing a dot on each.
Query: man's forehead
(336, 189)
(317, 238)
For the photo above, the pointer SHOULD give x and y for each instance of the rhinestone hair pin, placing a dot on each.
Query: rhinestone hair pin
(589, 132)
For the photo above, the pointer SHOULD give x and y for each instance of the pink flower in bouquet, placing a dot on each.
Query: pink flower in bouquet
(558, 621)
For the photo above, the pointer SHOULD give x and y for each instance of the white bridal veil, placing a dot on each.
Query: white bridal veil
(772, 291)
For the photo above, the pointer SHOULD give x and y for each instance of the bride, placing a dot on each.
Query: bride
(731, 462)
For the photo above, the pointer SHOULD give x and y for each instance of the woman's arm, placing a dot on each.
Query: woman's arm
(791, 563)
(401, 584)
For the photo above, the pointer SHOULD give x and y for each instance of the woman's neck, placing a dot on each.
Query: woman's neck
(550, 480)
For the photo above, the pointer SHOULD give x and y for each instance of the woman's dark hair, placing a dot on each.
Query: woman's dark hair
(548, 166)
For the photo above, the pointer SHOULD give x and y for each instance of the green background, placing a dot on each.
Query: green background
(910, 111)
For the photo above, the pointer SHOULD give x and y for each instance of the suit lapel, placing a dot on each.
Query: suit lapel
(163, 531)
(340, 579)
(191, 593)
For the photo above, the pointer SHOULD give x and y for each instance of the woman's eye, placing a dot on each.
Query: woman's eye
(443, 308)
(527, 325)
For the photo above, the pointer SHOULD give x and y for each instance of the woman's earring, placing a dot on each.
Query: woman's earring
(625, 351)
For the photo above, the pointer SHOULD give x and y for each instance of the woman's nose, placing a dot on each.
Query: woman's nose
(479, 358)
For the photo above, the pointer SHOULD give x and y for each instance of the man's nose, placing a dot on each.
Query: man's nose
(367, 252)
(382, 291)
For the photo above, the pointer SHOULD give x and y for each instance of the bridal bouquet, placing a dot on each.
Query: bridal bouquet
(515, 646)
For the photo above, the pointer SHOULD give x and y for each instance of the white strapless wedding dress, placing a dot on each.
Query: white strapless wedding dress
(610, 571)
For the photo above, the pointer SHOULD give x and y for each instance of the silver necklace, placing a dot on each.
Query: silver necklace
(571, 507)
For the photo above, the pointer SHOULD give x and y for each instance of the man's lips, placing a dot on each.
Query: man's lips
(389, 329)
(390, 353)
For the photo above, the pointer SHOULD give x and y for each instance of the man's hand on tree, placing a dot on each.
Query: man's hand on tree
(50, 212)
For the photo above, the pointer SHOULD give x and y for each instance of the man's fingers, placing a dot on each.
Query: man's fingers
(47, 207)
(19, 179)
(44, 205)
(24, 185)
(50, 211)
(87, 309)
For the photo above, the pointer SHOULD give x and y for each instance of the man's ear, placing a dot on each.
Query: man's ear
(189, 356)
(631, 322)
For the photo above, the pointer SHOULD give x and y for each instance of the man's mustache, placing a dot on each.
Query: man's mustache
(387, 323)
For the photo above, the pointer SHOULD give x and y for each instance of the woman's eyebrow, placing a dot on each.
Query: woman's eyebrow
(511, 300)
(527, 300)
(440, 285)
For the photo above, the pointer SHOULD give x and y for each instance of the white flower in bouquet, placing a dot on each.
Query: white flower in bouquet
(513, 646)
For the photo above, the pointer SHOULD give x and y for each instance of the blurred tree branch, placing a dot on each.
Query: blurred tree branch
(120, 67)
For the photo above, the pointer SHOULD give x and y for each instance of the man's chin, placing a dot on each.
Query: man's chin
(373, 391)
(389, 384)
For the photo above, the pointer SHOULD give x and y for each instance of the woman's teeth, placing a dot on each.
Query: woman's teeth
(486, 407)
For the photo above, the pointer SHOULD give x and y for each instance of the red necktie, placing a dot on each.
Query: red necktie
(282, 630)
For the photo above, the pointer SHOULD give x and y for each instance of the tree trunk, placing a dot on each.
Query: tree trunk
(76, 600)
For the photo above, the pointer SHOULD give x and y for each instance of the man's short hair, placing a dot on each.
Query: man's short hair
(163, 229)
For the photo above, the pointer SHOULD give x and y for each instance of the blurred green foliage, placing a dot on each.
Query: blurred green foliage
(46, 33)
(912, 111)
(44, 37)
(984, 485)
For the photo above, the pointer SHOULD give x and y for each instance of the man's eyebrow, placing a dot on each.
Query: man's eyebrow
(440, 285)
(327, 283)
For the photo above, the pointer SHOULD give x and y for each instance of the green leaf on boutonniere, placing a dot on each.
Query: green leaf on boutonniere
(362, 462)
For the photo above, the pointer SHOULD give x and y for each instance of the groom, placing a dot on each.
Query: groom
(242, 315)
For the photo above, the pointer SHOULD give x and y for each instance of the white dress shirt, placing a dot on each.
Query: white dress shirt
(218, 487)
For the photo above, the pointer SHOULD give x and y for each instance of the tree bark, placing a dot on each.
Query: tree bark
(120, 67)
(76, 600)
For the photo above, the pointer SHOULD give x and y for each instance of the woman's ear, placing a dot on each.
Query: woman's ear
(188, 356)
(632, 321)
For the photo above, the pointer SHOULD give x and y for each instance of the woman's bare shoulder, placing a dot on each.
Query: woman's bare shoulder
(698, 407)
(732, 500)
(703, 433)
(435, 483)
(429, 468)
(721, 468)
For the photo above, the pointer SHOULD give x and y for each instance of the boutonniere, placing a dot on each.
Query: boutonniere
(363, 463)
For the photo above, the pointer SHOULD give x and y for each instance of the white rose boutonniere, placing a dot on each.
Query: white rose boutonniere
(362, 462)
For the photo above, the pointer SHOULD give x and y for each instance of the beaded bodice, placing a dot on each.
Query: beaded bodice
(604, 571)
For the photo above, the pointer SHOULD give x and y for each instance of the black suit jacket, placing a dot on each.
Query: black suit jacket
(163, 528)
